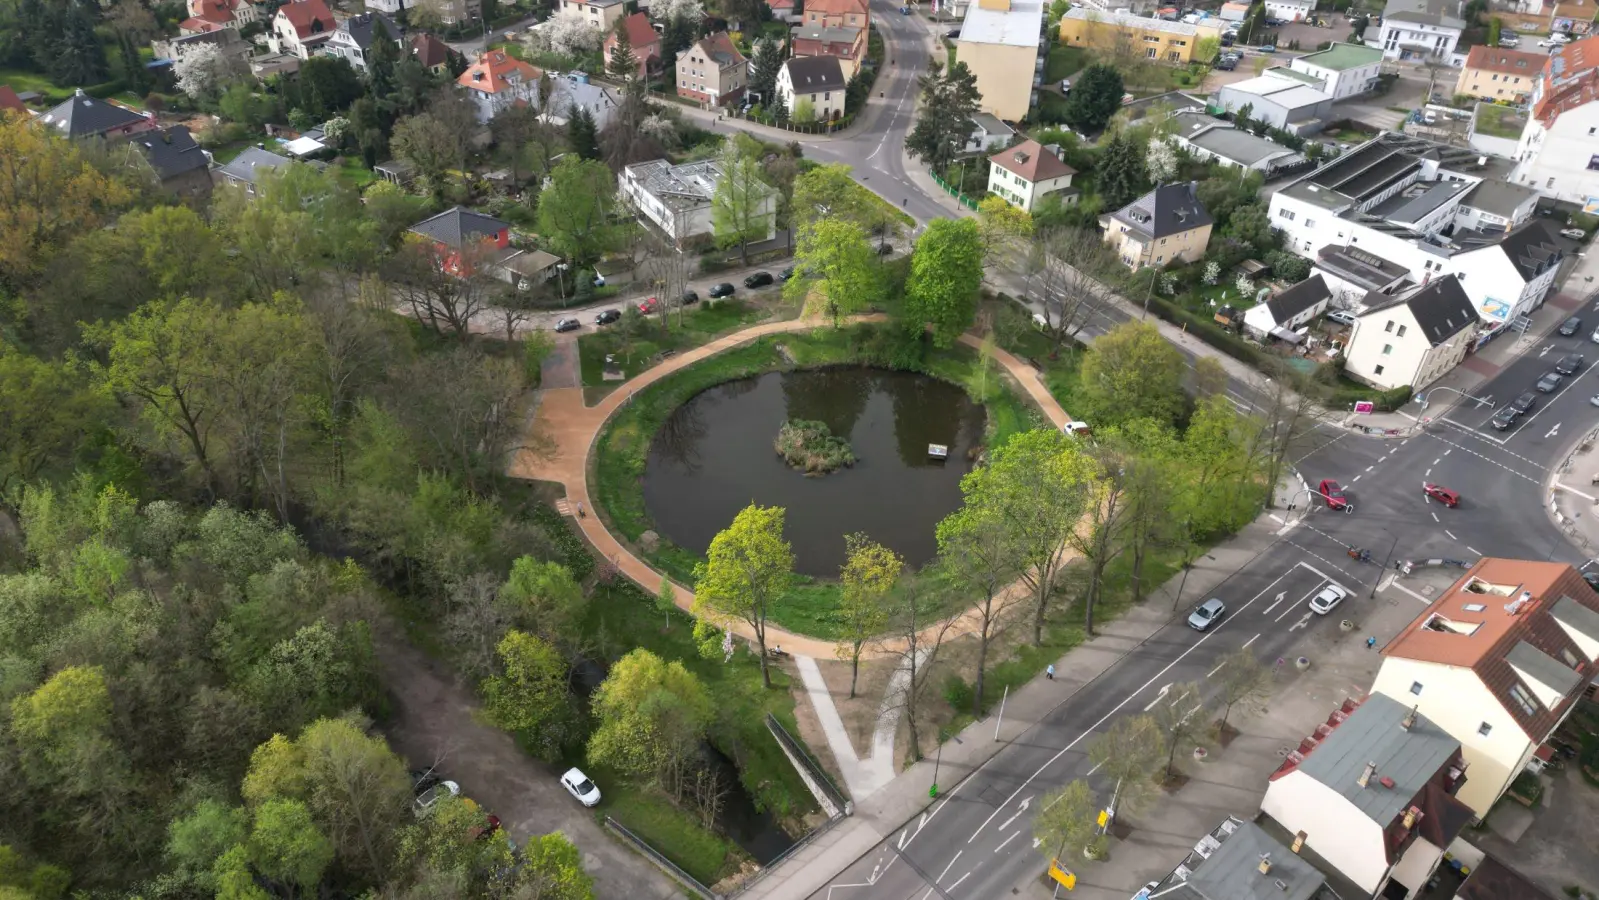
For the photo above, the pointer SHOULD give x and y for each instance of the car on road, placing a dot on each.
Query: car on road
(758, 279)
(1329, 598)
(1441, 494)
(786, 274)
(1575, 234)
(578, 785)
(1549, 383)
(426, 800)
(1571, 326)
(567, 323)
(1504, 419)
(1207, 614)
(1554, 40)
(649, 305)
(607, 316)
(1333, 493)
(1266, 48)
(725, 289)
(1524, 403)
(1594, 399)
(1570, 364)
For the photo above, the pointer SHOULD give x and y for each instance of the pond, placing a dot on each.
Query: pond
(714, 455)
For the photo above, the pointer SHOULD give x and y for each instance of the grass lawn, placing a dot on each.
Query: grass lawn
(225, 153)
(648, 813)
(1500, 121)
(1352, 136)
(355, 174)
(1063, 62)
(21, 81)
(702, 324)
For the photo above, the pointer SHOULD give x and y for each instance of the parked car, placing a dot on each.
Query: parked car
(1440, 493)
(607, 316)
(1592, 578)
(725, 289)
(1510, 41)
(1524, 403)
(1065, 85)
(1266, 48)
(1549, 383)
(1571, 326)
(758, 279)
(1504, 419)
(690, 297)
(1333, 493)
(1329, 598)
(649, 305)
(1575, 234)
(786, 274)
(1207, 614)
(1342, 317)
(567, 324)
(1555, 40)
(1226, 65)
(1570, 364)
(426, 800)
(1075, 429)
(578, 785)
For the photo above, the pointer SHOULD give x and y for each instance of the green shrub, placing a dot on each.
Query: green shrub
(957, 693)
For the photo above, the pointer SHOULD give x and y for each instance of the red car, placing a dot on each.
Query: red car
(1334, 495)
(649, 305)
(1441, 494)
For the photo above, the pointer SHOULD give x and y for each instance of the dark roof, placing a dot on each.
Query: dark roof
(1167, 210)
(454, 225)
(1376, 733)
(1361, 267)
(1297, 299)
(429, 50)
(252, 159)
(721, 49)
(809, 74)
(363, 28)
(171, 151)
(1493, 880)
(1232, 872)
(1440, 307)
(1442, 815)
(1532, 249)
(84, 116)
(10, 100)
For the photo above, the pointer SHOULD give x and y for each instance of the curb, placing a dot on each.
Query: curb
(1553, 489)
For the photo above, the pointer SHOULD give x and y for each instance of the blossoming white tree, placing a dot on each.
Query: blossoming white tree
(1161, 161)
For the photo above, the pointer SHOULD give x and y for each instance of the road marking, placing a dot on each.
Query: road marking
(1566, 487)
(948, 867)
(1090, 771)
(1438, 460)
(1435, 517)
(1303, 621)
(1219, 667)
(1473, 549)
(1159, 696)
(1250, 641)
(1369, 468)
(959, 880)
(921, 822)
(1291, 608)
(1280, 596)
(1020, 808)
(1006, 841)
(1427, 474)
(1356, 478)
(902, 836)
(1553, 431)
(1447, 452)
(1424, 600)
(1451, 535)
(1276, 518)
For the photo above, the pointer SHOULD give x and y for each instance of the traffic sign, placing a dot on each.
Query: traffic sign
(1065, 877)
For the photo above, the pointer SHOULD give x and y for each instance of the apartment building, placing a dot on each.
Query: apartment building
(1494, 73)
(1124, 34)
(999, 43)
(1166, 225)
(1420, 30)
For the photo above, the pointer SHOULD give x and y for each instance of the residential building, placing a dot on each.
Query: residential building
(989, 134)
(496, 81)
(389, 7)
(838, 13)
(1028, 172)
(1414, 337)
(10, 102)
(226, 40)
(643, 41)
(602, 14)
(1233, 12)
(1556, 154)
(571, 92)
(1498, 661)
(173, 160)
(714, 73)
(301, 27)
(1496, 206)
(451, 11)
(819, 79)
(1240, 860)
(1163, 226)
(1290, 10)
(1343, 70)
(1493, 879)
(1372, 792)
(1282, 98)
(463, 238)
(354, 37)
(246, 168)
(211, 15)
(846, 43)
(1210, 138)
(782, 10)
(1494, 73)
(998, 42)
(1288, 310)
(1124, 34)
(81, 116)
(432, 53)
(677, 199)
(1420, 30)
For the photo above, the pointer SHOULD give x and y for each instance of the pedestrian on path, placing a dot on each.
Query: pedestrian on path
(1049, 672)
(580, 509)
(1371, 643)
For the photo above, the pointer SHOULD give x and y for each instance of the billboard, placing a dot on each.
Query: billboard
(1498, 310)
(1590, 206)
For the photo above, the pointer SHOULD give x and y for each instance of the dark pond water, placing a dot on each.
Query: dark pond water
(714, 456)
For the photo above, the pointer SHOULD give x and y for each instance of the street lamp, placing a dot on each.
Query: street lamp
(937, 758)
(1386, 560)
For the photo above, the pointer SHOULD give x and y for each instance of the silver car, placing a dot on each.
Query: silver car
(1208, 614)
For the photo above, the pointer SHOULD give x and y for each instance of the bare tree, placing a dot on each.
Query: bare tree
(1063, 267)
(445, 288)
(915, 635)
(1101, 537)
(351, 349)
(1180, 715)
(1243, 680)
(1286, 414)
(709, 792)
(1129, 753)
(463, 409)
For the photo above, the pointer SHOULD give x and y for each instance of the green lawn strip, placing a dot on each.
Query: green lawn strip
(354, 173)
(672, 832)
(700, 326)
(22, 81)
(1063, 62)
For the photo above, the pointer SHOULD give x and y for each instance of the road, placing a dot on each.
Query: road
(471, 47)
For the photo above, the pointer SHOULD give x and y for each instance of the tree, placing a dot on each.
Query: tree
(203, 72)
(1243, 680)
(358, 791)
(287, 847)
(946, 275)
(1096, 96)
(1161, 160)
(46, 409)
(1122, 176)
(530, 696)
(547, 599)
(444, 288)
(945, 124)
(432, 147)
(869, 573)
(1180, 715)
(918, 624)
(1206, 48)
(196, 841)
(649, 714)
(1251, 224)
(666, 601)
(623, 65)
(834, 262)
(552, 869)
(1067, 817)
(804, 112)
(568, 34)
(764, 66)
(747, 569)
(48, 190)
(1065, 267)
(1001, 226)
(1129, 753)
(830, 192)
(979, 550)
(1133, 373)
(582, 135)
(742, 203)
(575, 210)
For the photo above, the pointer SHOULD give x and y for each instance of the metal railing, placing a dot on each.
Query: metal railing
(670, 868)
(772, 866)
(812, 767)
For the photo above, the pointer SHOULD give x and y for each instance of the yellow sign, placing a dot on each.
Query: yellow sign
(1104, 818)
(1067, 879)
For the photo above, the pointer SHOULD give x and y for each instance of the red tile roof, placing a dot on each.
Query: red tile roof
(10, 100)
(1509, 62)
(640, 33)
(1031, 161)
(1580, 91)
(309, 17)
(429, 50)
(721, 50)
(836, 7)
(494, 71)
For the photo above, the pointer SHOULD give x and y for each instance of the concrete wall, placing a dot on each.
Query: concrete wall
(1495, 85)
(1004, 76)
(1563, 162)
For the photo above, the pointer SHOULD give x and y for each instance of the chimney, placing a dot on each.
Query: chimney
(1299, 842)
(1409, 721)
(1366, 773)
(1265, 864)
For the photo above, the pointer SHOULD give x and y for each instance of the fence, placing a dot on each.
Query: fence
(953, 191)
(815, 777)
(670, 868)
(772, 866)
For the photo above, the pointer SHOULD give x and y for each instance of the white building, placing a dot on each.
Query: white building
(1558, 154)
(1343, 70)
(496, 80)
(678, 199)
(1496, 206)
(1414, 337)
(1282, 98)
(989, 134)
(1290, 10)
(819, 79)
(353, 39)
(301, 27)
(1371, 792)
(1028, 172)
(1498, 661)
(1420, 30)
(1278, 316)
(1209, 138)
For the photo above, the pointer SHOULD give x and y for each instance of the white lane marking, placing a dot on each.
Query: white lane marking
(1424, 600)
(1553, 431)
(1250, 641)
(1451, 535)
(948, 867)
(1276, 518)
(1356, 478)
(1449, 451)
(1428, 473)
(1369, 468)
(1159, 696)
(1280, 596)
(1566, 487)
(902, 836)
(1218, 668)
(1006, 841)
(1473, 549)
(1438, 460)
(1090, 771)
(921, 822)
(1020, 808)
(1303, 621)
(1435, 517)
(1291, 607)
(959, 880)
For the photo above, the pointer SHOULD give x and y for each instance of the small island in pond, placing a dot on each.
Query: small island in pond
(812, 448)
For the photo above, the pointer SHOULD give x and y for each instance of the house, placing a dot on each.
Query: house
(1163, 226)
(352, 40)
(819, 79)
(989, 134)
(10, 102)
(1372, 793)
(1498, 661)
(714, 73)
(1288, 310)
(1233, 12)
(1494, 73)
(1028, 172)
(1213, 139)
(1414, 337)
(496, 80)
(82, 116)
(1120, 32)
(838, 14)
(571, 92)
(173, 160)
(462, 238)
(1420, 30)
(226, 40)
(1290, 10)
(245, 168)
(1280, 99)
(1496, 206)
(602, 14)
(847, 44)
(432, 53)
(643, 40)
(1555, 154)
(677, 199)
(782, 10)
(999, 42)
(212, 15)
(301, 27)
(1342, 70)
(1240, 860)
(1352, 274)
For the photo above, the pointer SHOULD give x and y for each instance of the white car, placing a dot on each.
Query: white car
(1575, 234)
(1065, 85)
(1329, 598)
(1342, 317)
(426, 800)
(1555, 40)
(578, 785)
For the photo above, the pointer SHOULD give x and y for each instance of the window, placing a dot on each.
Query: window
(1310, 223)
(1389, 328)
(1522, 698)
(1485, 729)
(1387, 349)
(1415, 688)
(1551, 182)
(1400, 332)
(1377, 371)
(1593, 163)
(1150, 53)
(1286, 214)
(1569, 657)
(1495, 78)
(1592, 130)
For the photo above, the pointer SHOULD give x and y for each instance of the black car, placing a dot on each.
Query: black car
(725, 289)
(885, 249)
(1226, 65)
(758, 279)
(1592, 578)
(690, 297)
(1504, 419)
(1570, 364)
(786, 274)
(607, 316)
(567, 324)
(1549, 383)
(1571, 326)
(1524, 403)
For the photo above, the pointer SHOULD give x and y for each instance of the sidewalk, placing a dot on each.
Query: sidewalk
(1572, 490)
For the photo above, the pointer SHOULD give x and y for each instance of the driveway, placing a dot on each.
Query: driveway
(434, 725)
(1557, 849)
